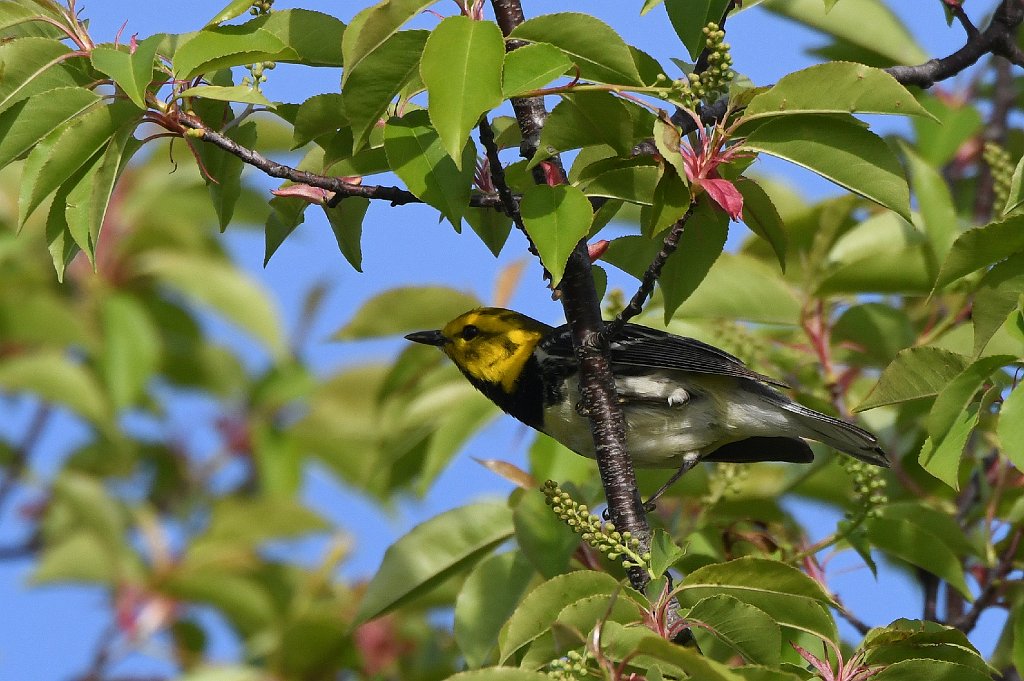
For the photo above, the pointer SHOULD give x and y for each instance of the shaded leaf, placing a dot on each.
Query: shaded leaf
(347, 224)
(981, 246)
(699, 247)
(942, 457)
(28, 121)
(1010, 428)
(381, 75)
(417, 156)
(432, 551)
(744, 628)
(30, 69)
(915, 373)
(586, 119)
(761, 216)
(486, 601)
(54, 378)
(959, 392)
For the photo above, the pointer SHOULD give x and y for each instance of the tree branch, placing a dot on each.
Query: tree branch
(999, 37)
(395, 195)
(583, 313)
(20, 456)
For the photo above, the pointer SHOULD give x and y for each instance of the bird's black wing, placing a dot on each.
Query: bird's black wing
(640, 346)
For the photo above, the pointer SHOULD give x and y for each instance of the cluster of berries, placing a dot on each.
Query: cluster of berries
(602, 536)
(257, 76)
(572, 667)
(260, 7)
(714, 80)
(868, 486)
(1001, 167)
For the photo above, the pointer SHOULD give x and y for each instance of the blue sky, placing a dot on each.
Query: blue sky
(48, 633)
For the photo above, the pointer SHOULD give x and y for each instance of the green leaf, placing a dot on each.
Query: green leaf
(933, 670)
(77, 558)
(403, 310)
(253, 522)
(841, 151)
(487, 599)
(61, 244)
(312, 38)
(544, 539)
(317, 116)
(585, 119)
(88, 196)
(943, 525)
(492, 226)
(67, 149)
(883, 254)
(226, 171)
(664, 552)
(744, 628)
(417, 156)
(432, 551)
(1015, 197)
(347, 224)
(785, 594)
(235, 93)
(877, 331)
(935, 203)
(701, 244)
(531, 67)
(461, 67)
(942, 458)
(867, 24)
(556, 218)
(652, 650)
(689, 17)
(221, 47)
(635, 184)
(227, 290)
(996, 298)
(1010, 427)
(29, 69)
(960, 392)
(958, 121)
(54, 378)
(916, 544)
(278, 459)
(25, 123)
(835, 87)
(132, 71)
(915, 373)
(235, 8)
(500, 674)
(981, 246)
(600, 53)
(131, 348)
(286, 214)
(541, 607)
(670, 202)
(761, 216)
(372, 27)
(381, 75)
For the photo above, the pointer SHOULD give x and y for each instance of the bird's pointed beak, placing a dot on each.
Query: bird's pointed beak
(427, 338)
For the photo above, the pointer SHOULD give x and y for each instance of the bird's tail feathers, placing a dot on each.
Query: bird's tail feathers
(838, 434)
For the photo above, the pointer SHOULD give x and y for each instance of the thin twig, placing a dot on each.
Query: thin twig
(993, 585)
(22, 454)
(958, 12)
(854, 621)
(636, 303)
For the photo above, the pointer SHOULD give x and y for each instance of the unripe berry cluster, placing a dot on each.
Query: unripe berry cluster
(728, 479)
(868, 486)
(1001, 167)
(572, 667)
(602, 536)
(714, 80)
(260, 7)
(257, 76)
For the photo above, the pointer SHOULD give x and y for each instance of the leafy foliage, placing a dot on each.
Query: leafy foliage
(901, 300)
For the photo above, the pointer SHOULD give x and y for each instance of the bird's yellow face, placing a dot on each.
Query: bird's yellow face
(489, 344)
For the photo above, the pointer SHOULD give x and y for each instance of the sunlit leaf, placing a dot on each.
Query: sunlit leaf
(915, 373)
(556, 218)
(531, 67)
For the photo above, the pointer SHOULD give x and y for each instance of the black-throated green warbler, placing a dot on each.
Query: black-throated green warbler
(684, 401)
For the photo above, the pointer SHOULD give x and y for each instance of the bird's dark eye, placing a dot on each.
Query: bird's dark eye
(469, 332)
